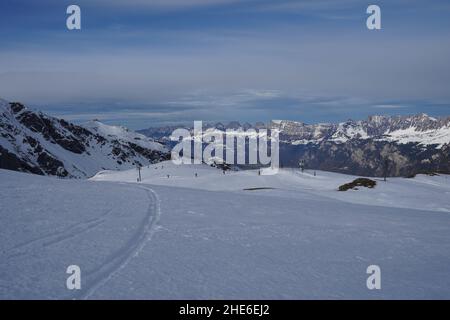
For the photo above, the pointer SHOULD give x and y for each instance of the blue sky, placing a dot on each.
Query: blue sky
(142, 63)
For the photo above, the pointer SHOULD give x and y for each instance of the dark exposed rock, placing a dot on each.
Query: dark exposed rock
(360, 182)
(16, 107)
(10, 161)
(367, 157)
(51, 165)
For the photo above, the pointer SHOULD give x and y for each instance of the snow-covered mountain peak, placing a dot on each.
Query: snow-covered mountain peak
(31, 141)
(99, 126)
(123, 134)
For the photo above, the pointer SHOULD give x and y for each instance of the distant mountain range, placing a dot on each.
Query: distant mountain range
(31, 141)
(401, 145)
(34, 142)
(421, 129)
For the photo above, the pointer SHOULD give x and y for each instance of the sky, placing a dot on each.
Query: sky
(143, 63)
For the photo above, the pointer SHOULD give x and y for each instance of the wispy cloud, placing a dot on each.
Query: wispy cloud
(225, 58)
(165, 3)
(389, 106)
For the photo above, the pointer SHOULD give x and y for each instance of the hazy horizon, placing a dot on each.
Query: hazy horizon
(148, 63)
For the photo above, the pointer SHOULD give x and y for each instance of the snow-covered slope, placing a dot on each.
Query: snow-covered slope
(123, 135)
(31, 141)
(423, 192)
(182, 237)
(438, 137)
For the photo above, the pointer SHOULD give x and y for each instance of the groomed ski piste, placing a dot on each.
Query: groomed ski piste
(237, 235)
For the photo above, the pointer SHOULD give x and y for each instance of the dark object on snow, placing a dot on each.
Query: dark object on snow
(385, 169)
(360, 182)
(301, 164)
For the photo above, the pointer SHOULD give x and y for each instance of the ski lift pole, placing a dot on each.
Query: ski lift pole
(301, 164)
(385, 169)
(138, 168)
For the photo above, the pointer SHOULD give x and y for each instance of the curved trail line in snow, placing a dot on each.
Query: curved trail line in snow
(120, 259)
(58, 236)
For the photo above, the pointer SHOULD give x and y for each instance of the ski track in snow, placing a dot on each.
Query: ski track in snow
(304, 239)
(56, 237)
(119, 260)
